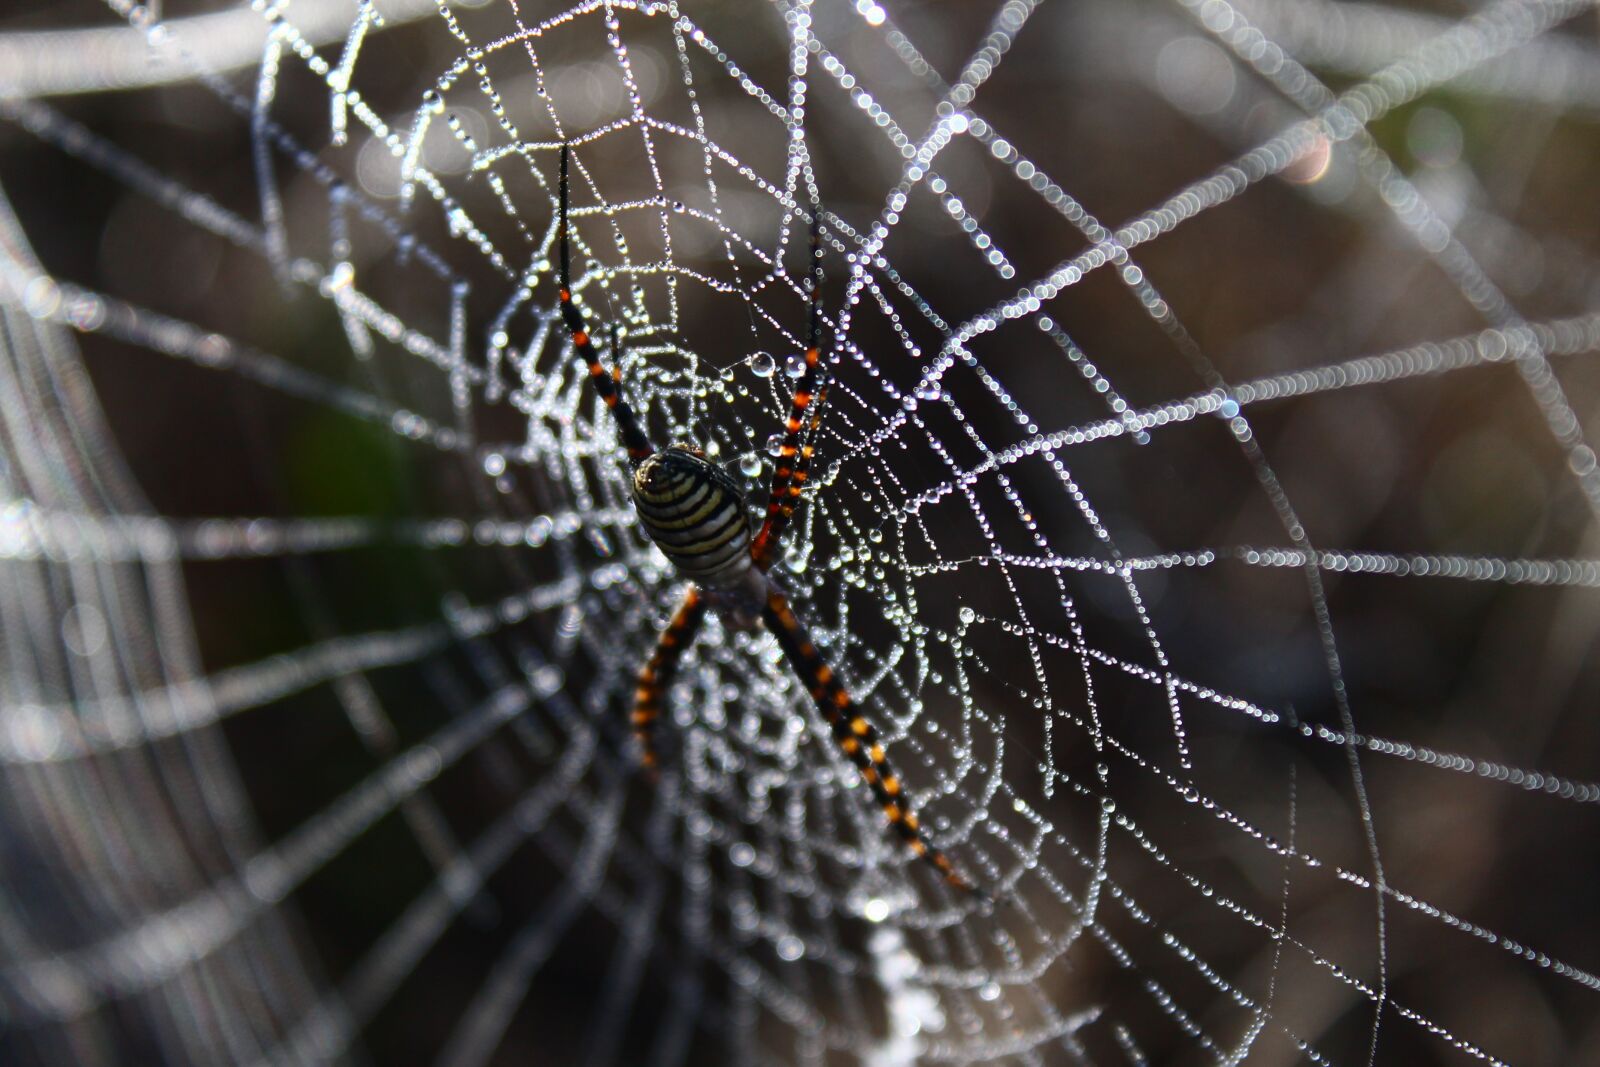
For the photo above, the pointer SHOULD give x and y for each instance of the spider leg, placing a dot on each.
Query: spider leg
(811, 392)
(659, 671)
(855, 735)
(607, 384)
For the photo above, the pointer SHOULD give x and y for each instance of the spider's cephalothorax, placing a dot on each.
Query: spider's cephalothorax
(694, 512)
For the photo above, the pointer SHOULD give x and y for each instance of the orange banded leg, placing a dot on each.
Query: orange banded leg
(658, 673)
(789, 480)
(855, 735)
(607, 384)
(810, 393)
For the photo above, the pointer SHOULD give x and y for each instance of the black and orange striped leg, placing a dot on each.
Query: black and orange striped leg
(658, 673)
(855, 735)
(810, 393)
(607, 384)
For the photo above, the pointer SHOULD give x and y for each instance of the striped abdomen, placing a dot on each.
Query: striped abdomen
(694, 511)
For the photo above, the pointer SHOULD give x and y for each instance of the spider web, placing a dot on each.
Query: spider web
(1203, 513)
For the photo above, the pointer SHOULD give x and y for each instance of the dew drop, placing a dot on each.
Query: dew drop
(547, 680)
(762, 364)
(750, 464)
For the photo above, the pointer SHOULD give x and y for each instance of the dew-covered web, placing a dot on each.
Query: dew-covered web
(1203, 513)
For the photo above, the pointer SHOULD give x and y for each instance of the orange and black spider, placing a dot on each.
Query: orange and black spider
(695, 513)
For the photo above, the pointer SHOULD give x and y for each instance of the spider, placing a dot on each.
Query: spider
(694, 511)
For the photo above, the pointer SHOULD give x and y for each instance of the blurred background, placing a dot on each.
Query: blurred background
(1205, 511)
